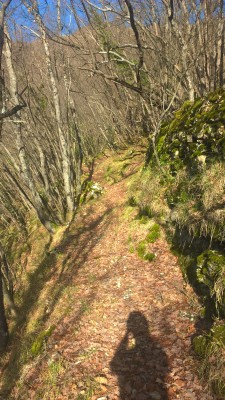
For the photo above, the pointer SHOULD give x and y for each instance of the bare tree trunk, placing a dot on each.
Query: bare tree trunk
(4, 333)
(37, 201)
(62, 137)
(2, 20)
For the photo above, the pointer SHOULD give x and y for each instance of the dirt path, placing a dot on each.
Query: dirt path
(128, 334)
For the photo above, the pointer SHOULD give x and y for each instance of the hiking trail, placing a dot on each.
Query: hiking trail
(128, 333)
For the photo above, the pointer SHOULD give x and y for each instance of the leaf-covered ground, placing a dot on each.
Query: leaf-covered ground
(123, 325)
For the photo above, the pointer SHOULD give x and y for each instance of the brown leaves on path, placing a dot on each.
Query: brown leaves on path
(127, 332)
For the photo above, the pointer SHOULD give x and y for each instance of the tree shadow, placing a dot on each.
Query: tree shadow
(76, 245)
(140, 363)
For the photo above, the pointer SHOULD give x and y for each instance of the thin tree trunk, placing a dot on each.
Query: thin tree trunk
(62, 138)
(37, 201)
(4, 333)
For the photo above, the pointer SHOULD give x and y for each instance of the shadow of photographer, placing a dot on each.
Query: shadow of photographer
(140, 363)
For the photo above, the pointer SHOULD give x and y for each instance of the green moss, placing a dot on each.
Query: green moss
(131, 249)
(143, 253)
(91, 191)
(40, 340)
(210, 265)
(149, 257)
(154, 234)
(196, 129)
(141, 249)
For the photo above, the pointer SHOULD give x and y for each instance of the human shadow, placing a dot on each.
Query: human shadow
(140, 363)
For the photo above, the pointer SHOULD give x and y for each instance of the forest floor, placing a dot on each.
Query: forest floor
(123, 326)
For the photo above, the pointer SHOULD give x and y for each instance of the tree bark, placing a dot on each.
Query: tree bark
(4, 333)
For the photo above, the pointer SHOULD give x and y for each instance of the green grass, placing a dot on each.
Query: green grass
(154, 234)
(84, 307)
(143, 252)
(149, 257)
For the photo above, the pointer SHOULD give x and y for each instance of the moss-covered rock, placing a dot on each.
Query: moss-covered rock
(210, 264)
(40, 340)
(92, 191)
(195, 135)
(206, 273)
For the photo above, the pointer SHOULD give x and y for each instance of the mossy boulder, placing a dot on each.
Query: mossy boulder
(195, 135)
(206, 273)
(210, 265)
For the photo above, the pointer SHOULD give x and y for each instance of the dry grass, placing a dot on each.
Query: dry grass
(199, 201)
(213, 368)
(213, 186)
(148, 191)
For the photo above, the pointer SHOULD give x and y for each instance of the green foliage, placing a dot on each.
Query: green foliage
(210, 270)
(40, 340)
(200, 344)
(195, 135)
(149, 257)
(154, 234)
(206, 273)
(191, 149)
(54, 370)
(143, 252)
(141, 249)
(132, 201)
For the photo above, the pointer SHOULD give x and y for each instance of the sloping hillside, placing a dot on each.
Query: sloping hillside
(104, 322)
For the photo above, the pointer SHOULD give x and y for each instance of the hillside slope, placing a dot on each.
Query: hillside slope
(119, 327)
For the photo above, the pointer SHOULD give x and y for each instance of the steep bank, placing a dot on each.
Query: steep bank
(187, 196)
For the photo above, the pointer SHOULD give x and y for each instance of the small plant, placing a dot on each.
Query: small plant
(154, 234)
(141, 249)
(143, 253)
(54, 369)
(91, 386)
(132, 202)
(143, 219)
(84, 307)
(131, 248)
(149, 257)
